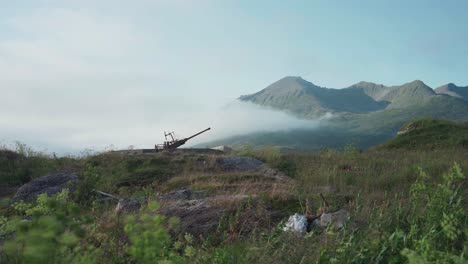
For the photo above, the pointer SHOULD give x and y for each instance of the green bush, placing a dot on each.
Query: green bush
(432, 229)
(150, 241)
(49, 231)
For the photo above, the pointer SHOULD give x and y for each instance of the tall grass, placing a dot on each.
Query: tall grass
(406, 206)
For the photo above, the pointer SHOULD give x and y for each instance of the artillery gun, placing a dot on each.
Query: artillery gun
(173, 143)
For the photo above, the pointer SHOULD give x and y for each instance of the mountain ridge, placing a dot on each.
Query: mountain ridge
(453, 90)
(307, 100)
(365, 113)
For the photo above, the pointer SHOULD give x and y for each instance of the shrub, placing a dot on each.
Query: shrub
(50, 233)
(150, 241)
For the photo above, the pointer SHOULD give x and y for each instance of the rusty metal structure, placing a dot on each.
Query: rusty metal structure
(172, 143)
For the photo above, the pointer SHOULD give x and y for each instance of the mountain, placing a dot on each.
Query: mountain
(307, 100)
(364, 114)
(387, 122)
(453, 90)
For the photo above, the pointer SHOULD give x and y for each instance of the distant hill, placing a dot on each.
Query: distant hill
(429, 134)
(453, 90)
(364, 113)
(305, 99)
(388, 121)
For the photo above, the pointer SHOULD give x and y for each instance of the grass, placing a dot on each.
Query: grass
(402, 201)
(430, 134)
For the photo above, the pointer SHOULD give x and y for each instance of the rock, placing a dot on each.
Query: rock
(182, 194)
(50, 184)
(270, 172)
(337, 218)
(197, 217)
(239, 163)
(129, 205)
(297, 223)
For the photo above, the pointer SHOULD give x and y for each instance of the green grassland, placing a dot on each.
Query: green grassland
(407, 204)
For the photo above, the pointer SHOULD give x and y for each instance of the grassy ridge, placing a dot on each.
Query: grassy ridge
(429, 134)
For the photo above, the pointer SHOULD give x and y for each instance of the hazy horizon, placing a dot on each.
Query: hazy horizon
(81, 74)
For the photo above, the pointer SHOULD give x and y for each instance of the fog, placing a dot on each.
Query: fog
(61, 128)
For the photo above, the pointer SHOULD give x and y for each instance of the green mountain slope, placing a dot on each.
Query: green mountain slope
(388, 121)
(304, 99)
(364, 114)
(429, 134)
(405, 95)
(409, 94)
(303, 139)
(453, 90)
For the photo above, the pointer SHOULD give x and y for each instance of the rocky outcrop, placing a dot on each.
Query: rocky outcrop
(243, 164)
(50, 184)
(129, 205)
(196, 216)
(182, 194)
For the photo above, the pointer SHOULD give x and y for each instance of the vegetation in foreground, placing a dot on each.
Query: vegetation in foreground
(406, 206)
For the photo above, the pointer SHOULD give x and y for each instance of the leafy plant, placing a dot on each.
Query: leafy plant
(150, 240)
(51, 232)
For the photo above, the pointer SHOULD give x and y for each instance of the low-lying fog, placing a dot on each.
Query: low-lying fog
(68, 128)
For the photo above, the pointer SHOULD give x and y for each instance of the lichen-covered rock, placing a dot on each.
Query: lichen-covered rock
(50, 184)
(182, 194)
(338, 219)
(196, 216)
(129, 205)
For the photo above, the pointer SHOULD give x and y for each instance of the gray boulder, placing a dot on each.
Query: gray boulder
(129, 205)
(50, 184)
(182, 194)
(197, 217)
(239, 164)
(338, 219)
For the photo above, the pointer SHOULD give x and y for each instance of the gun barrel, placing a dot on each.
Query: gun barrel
(185, 139)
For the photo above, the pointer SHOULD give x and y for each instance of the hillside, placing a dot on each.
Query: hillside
(179, 207)
(430, 134)
(389, 121)
(364, 114)
(303, 98)
(453, 90)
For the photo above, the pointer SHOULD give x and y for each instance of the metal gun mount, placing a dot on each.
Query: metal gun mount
(173, 143)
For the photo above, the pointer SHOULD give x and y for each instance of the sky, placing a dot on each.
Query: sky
(79, 74)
